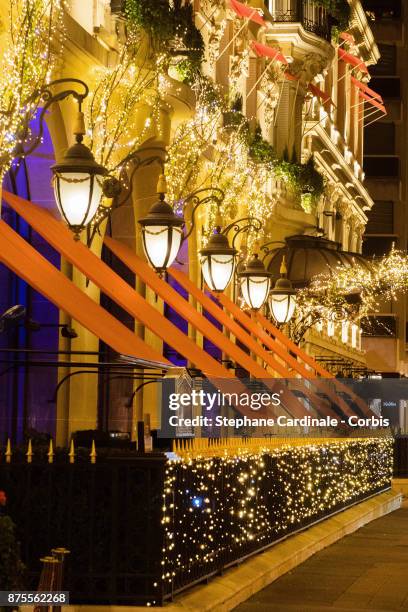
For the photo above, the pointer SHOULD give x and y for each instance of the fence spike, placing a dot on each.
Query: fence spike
(71, 453)
(8, 451)
(51, 452)
(93, 452)
(29, 453)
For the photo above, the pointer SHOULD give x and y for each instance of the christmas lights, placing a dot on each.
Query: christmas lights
(248, 499)
(329, 297)
(28, 64)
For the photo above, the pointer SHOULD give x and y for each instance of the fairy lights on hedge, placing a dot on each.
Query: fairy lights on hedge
(237, 504)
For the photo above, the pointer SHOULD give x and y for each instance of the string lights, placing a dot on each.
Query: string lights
(28, 63)
(330, 297)
(223, 507)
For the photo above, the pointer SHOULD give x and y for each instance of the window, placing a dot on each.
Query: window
(379, 139)
(377, 245)
(379, 326)
(382, 9)
(381, 167)
(381, 218)
(387, 66)
(117, 6)
(386, 87)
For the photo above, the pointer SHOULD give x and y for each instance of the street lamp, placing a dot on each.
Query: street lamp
(78, 179)
(255, 283)
(161, 232)
(218, 261)
(78, 182)
(282, 300)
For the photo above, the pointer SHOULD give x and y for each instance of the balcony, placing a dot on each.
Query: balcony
(314, 19)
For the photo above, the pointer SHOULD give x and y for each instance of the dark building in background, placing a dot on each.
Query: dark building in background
(385, 165)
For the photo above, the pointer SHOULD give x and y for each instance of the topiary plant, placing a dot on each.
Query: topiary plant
(259, 149)
(304, 180)
(339, 10)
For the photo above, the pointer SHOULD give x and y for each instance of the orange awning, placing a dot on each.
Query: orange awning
(28, 264)
(271, 52)
(354, 61)
(367, 90)
(59, 236)
(347, 37)
(373, 102)
(318, 93)
(247, 12)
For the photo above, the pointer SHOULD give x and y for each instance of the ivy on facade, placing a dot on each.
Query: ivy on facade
(172, 31)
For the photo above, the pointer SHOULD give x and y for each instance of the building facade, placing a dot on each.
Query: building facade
(303, 101)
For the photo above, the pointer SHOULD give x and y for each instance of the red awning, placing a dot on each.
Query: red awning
(247, 12)
(290, 77)
(354, 61)
(370, 92)
(324, 97)
(347, 37)
(271, 52)
(373, 102)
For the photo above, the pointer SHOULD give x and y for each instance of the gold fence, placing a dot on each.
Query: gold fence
(191, 448)
(221, 447)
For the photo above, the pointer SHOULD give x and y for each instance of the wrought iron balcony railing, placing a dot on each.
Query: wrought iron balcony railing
(313, 18)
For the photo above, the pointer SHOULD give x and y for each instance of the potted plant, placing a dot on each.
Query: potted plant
(233, 118)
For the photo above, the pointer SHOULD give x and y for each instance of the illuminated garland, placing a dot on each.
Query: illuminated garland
(118, 101)
(28, 64)
(327, 298)
(207, 153)
(221, 506)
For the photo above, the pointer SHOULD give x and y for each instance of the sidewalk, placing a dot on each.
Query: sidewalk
(367, 570)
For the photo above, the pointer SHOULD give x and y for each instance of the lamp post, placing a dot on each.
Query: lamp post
(255, 283)
(218, 261)
(78, 182)
(218, 257)
(162, 232)
(78, 178)
(282, 300)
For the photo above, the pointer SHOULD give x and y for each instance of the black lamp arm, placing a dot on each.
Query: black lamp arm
(48, 97)
(265, 248)
(216, 195)
(112, 187)
(253, 223)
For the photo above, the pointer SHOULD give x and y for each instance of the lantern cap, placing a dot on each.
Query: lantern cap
(162, 184)
(79, 158)
(218, 245)
(283, 269)
(283, 285)
(161, 213)
(254, 267)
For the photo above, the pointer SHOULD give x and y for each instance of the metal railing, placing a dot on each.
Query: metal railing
(312, 18)
(142, 528)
